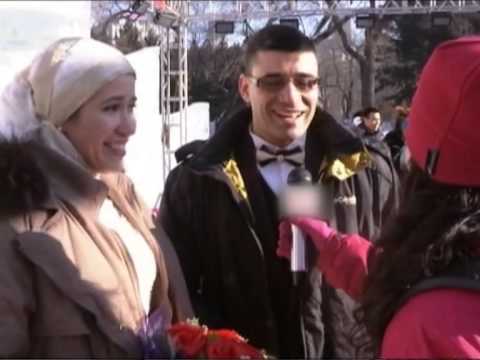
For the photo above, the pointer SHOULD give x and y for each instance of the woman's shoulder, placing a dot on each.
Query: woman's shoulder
(436, 323)
(434, 306)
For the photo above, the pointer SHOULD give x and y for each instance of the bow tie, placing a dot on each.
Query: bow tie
(266, 155)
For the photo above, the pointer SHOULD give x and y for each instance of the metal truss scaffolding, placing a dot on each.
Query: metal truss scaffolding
(173, 18)
(173, 79)
(248, 10)
(173, 91)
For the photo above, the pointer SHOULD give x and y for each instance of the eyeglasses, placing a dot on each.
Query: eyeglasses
(276, 82)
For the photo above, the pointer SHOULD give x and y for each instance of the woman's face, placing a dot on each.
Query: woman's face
(100, 129)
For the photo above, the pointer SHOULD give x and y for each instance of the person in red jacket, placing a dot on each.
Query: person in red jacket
(436, 229)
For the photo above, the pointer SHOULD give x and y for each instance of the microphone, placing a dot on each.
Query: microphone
(300, 197)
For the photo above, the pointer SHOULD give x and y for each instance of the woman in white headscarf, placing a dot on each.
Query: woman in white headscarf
(79, 267)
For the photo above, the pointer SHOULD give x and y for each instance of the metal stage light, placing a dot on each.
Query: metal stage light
(224, 27)
(364, 21)
(293, 22)
(441, 19)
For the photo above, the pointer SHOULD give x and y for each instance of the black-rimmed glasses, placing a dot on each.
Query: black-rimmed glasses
(276, 82)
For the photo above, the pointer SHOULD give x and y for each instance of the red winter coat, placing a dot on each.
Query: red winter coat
(440, 323)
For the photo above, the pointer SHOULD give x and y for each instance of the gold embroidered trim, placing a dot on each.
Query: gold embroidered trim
(347, 165)
(230, 168)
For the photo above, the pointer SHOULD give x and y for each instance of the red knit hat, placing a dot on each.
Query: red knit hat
(443, 133)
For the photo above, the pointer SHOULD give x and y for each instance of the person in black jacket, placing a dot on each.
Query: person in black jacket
(219, 205)
(395, 140)
(369, 129)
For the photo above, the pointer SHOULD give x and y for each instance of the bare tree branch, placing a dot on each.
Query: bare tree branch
(346, 43)
(332, 27)
(320, 26)
(116, 11)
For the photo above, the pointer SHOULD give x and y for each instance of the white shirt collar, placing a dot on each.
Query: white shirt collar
(276, 173)
(258, 141)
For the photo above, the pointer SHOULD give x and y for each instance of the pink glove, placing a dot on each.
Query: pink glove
(318, 230)
(342, 259)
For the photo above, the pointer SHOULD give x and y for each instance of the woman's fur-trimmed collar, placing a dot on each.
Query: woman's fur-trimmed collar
(23, 185)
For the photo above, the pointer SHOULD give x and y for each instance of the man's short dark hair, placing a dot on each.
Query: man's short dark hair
(370, 110)
(277, 38)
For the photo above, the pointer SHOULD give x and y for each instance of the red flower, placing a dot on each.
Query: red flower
(194, 341)
(189, 339)
(230, 348)
(225, 334)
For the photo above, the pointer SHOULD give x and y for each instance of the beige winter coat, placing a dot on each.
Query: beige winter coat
(67, 284)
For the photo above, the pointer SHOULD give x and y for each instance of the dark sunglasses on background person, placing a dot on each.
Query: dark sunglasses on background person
(276, 82)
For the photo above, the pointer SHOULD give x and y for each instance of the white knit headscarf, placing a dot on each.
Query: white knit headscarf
(57, 83)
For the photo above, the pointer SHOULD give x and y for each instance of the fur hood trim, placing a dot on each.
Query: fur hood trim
(23, 185)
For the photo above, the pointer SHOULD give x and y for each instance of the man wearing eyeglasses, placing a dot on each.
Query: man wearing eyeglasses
(220, 205)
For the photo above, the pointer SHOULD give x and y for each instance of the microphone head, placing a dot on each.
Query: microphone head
(299, 176)
(300, 196)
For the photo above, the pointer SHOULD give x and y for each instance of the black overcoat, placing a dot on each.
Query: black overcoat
(223, 225)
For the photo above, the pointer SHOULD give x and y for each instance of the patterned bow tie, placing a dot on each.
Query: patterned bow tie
(266, 155)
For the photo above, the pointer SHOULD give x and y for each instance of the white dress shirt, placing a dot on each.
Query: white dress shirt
(276, 172)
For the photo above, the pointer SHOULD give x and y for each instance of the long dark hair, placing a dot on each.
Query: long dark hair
(436, 225)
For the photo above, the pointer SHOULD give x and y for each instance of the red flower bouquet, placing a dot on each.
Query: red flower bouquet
(194, 341)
